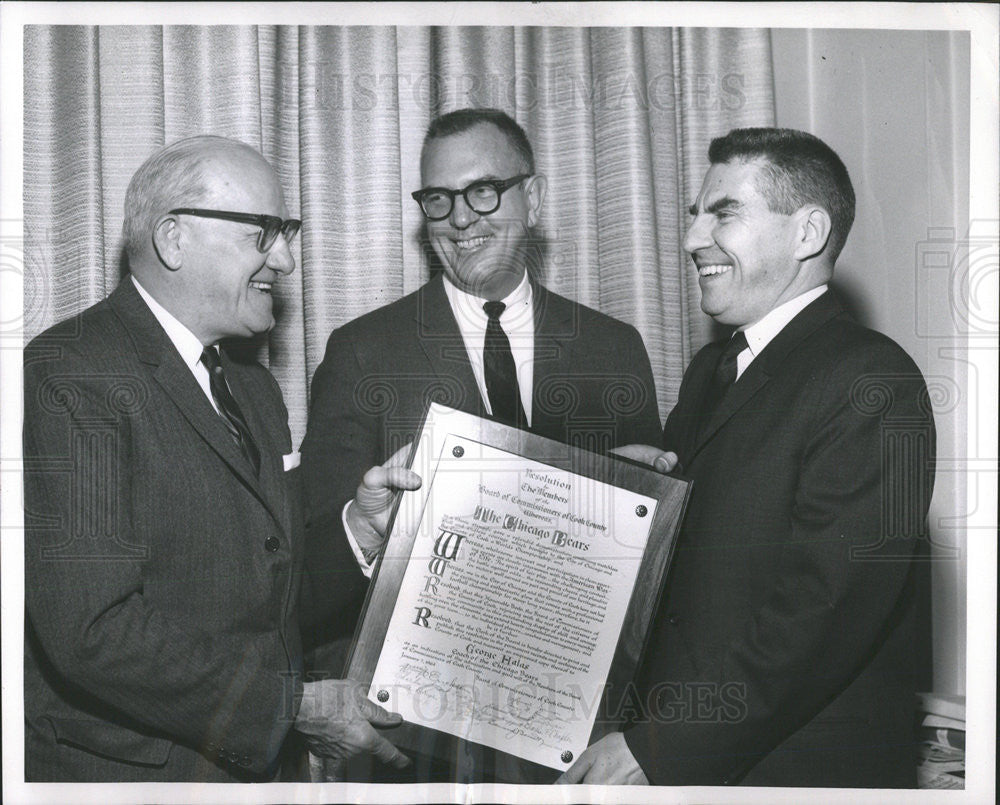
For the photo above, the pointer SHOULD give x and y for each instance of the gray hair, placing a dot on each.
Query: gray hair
(172, 177)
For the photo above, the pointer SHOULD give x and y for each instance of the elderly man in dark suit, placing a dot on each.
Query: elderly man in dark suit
(484, 338)
(783, 652)
(163, 540)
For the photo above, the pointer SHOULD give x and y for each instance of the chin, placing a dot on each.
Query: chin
(258, 328)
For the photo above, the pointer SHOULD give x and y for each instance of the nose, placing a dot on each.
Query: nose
(699, 234)
(279, 256)
(461, 213)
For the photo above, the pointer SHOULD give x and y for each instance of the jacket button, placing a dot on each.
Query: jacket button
(672, 619)
(272, 544)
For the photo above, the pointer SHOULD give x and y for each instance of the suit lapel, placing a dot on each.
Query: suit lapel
(752, 381)
(764, 366)
(155, 349)
(442, 344)
(271, 476)
(553, 324)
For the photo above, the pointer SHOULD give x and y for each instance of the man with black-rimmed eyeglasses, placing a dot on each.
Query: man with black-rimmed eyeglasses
(165, 546)
(483, 336)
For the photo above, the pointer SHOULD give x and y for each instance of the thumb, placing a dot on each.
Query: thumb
(398, 459)
(399, 478)
(647, 454)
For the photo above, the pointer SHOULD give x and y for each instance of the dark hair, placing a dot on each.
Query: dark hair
(464, 119)
(798, 169)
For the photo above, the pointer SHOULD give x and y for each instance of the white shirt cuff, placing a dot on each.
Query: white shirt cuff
(359, 555)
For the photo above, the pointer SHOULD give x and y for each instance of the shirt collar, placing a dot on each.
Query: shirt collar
(761, 333)
(469, 311)
(187, 343)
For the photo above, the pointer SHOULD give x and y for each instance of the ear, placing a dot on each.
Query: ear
(166, 241)
(535, 192)
(812, 232)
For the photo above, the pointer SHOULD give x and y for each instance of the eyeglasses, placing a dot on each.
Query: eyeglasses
(483, 197)
(270, 225)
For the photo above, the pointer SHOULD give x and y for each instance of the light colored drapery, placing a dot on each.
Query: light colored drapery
(620, 119)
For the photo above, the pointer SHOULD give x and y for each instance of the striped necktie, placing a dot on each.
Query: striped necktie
(229, 411)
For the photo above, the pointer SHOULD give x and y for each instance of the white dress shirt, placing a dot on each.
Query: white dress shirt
(187, 343)
(518, 322)
(761, 333)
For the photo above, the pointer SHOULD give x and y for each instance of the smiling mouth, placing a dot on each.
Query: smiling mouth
(470, 244)
(263, 287)
(713, 270)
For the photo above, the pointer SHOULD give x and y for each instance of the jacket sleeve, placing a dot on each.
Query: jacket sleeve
(341, 444)
(835, 599)
(643, 426)
(230, 696)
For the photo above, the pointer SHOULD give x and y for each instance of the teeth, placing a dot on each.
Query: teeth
(261, 286)
(708, 271)
(471, 243)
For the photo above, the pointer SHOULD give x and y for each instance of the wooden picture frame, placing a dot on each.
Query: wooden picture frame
(479, 762)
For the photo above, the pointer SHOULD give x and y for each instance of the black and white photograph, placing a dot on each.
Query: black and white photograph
(499, 402)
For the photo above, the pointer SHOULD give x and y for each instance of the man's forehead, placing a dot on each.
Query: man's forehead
(234, 164)
(244, 183)
(483, 151)
(734, 180)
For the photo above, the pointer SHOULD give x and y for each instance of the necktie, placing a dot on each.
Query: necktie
(501, 374)
(724, 376)
(229, 411)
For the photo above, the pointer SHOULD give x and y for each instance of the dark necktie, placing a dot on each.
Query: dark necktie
(724, 376)
(501, 374)
(229, 411)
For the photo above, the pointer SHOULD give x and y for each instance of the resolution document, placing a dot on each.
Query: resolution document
(512, 600)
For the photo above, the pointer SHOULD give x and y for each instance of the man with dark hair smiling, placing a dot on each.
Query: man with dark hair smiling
(783, 651)
(485, 338)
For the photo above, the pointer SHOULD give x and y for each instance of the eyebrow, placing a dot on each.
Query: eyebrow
(490, 177)
(720, 205)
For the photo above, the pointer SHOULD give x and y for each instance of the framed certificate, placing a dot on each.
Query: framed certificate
(510, 606)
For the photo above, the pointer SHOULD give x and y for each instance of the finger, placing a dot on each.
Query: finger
(645, 453)
(378, 479)
(378, 716)
(375, 478)
(399, 458)
(575, 773)
(400, 478)
(665, 462)
(389, 754)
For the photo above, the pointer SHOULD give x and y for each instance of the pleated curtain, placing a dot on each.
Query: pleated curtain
(620, 119)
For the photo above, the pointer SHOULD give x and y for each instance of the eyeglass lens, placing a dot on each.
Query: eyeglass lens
(269, 232)
(482, 197)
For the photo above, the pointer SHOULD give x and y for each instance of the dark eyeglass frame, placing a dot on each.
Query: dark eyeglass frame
(501, 186)
(270, 225)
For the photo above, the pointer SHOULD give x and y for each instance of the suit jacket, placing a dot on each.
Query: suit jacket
(783, 651)
(592, 386)
(161, 575)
